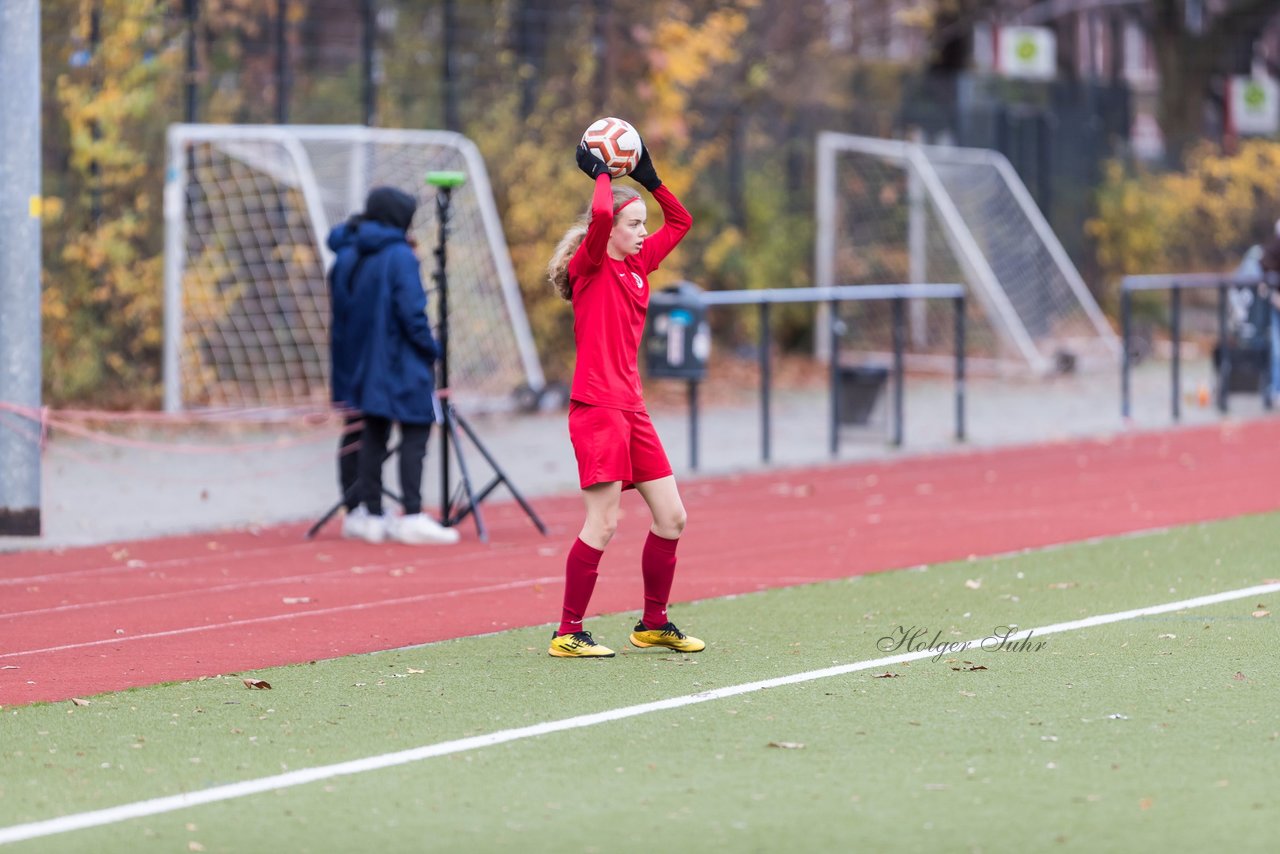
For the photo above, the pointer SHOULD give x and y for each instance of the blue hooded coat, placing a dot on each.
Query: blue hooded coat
(342, 242)
(387, 326)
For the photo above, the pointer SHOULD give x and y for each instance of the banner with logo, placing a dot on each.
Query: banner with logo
(1255, 105)
(1028, 52)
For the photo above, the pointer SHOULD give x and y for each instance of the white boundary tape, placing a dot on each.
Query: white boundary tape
(155, 806)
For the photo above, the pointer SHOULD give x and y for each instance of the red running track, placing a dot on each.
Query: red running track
(80, 621)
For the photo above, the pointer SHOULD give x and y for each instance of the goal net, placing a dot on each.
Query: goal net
(890, 211)
(247, 213)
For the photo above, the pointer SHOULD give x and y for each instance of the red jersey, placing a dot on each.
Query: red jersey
(610, 299)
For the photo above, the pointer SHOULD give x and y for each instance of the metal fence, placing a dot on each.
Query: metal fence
(897, 295)
(1175, 284)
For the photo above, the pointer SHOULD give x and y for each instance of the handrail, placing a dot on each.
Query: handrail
(764, 298)
(1175, 284)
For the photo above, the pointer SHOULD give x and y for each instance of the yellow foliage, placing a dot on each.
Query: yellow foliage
(102, 302)
(1200, 219)
(718, 251)
(681, 54)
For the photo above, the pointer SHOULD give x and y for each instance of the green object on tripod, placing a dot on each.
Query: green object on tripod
(446, 180)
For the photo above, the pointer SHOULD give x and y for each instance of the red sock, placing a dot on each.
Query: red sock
(580, 572)
(658, 564)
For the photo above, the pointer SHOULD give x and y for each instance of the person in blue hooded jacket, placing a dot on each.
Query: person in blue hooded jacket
(342, 242)
(387, 335)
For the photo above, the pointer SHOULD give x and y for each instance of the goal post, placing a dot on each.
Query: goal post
(891, 210)
(248, 209)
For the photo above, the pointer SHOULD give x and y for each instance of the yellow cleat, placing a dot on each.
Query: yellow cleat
(668, 636)
(578, 645)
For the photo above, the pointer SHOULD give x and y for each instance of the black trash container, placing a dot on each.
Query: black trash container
(677, 338)
(860, 388)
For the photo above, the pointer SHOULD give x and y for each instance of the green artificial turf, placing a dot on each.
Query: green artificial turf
(1153, 734)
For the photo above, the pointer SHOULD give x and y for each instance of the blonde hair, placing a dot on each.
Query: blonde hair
(558, 267)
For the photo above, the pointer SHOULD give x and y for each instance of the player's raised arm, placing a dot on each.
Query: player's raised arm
(676, 221)
(601, 222)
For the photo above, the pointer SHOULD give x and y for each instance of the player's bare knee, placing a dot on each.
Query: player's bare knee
(671, 525)
(604, 528)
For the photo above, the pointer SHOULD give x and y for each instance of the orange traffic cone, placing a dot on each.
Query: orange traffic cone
(1202, 395)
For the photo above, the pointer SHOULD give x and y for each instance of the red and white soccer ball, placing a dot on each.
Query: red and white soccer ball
(615, 142)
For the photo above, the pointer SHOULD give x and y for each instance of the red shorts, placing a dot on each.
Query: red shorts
(613, 444)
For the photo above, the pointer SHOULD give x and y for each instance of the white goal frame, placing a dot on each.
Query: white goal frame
(283, 157)
(931, 194)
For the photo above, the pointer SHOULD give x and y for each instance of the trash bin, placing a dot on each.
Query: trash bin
(677, 338)
(859, 389)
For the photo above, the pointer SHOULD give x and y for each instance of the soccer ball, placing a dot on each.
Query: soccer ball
(615, 142)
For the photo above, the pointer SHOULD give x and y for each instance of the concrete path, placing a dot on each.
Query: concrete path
(95, 492)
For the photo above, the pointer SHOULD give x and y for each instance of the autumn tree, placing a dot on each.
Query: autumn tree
(109, 90)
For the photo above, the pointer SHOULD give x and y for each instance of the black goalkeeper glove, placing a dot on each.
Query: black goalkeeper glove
(589, 163)
(644, 173)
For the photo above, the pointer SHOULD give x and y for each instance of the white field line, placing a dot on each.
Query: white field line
(354, 573)
(220, 558)
(316, 612)
(230, 791)
(145, 566)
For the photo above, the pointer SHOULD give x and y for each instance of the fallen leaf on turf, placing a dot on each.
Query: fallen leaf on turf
(1168, 636)
(886, 675)
(1145, 804)
(967, 694)
(1239, 677)
(256, 683)
(76, 701)
(973, 583)
(416, 670)
(1261, 613)
(974, 667)
(787, 745)
(1118, 717)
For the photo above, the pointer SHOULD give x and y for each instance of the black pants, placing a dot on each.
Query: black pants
(373, 450)
(348, 463)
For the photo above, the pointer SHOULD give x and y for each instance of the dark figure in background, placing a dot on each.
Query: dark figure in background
(342, 242)
(393, 381)
(1271, 269)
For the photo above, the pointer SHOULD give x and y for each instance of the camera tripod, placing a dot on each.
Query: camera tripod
(456, 506)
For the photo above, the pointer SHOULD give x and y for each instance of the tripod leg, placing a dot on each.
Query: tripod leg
(480, 496)
(502, 475)
(333, 511)
(323, 520)
(451, 519)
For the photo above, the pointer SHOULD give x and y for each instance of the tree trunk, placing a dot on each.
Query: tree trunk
(1184, 84)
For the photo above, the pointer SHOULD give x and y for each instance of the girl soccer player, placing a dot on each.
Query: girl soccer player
(602, 266)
